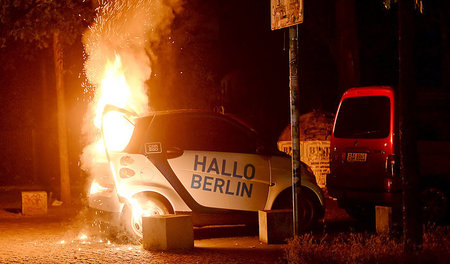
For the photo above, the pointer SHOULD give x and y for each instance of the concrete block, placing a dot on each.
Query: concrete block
(166, 232)
(275, 226)
(34, 203)
(383, 215)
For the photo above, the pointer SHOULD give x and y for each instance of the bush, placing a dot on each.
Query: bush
(367, 248)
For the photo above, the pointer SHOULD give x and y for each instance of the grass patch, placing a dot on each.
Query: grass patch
(367, 248)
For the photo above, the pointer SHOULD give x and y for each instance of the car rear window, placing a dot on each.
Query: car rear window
(363, 117)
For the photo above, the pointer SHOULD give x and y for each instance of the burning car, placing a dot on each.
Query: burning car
(206, 164)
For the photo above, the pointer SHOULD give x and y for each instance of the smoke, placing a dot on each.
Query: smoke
(131, 29)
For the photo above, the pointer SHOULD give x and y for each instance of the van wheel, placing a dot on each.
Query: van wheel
(361, 212)
(434, 206)
(132, 215)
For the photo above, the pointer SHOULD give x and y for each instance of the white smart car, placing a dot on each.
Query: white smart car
(206, 164)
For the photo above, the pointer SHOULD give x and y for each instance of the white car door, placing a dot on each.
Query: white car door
(223, 179)
(218, 165)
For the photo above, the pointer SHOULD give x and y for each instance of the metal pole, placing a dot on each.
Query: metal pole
(295, 125)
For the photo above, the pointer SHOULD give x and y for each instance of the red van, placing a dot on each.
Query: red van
(364, 151)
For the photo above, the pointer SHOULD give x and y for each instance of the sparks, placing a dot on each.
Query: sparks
(117, 67)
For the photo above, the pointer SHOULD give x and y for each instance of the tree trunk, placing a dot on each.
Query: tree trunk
(347, 45)
(61, 119)
(409, 170)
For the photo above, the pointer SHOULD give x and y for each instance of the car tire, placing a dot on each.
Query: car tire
(132, 224)
(309, 206)
(434, 206)
(309, 211)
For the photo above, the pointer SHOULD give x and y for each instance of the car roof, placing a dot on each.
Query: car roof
(181, 112)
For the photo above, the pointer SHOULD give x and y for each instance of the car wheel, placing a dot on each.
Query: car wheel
(434, 206)
(309, 211)
(309, 207)
(134, 211)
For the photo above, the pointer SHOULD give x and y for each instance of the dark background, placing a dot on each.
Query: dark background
(221, 54)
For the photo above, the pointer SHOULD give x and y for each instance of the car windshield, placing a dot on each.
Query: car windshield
(363, 117)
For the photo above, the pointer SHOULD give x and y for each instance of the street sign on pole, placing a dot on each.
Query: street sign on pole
(285, 13)
(289, 13)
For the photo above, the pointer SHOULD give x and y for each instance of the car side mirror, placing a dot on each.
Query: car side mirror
(173, 152)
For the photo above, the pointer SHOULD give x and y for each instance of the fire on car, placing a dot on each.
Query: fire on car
(195, 162)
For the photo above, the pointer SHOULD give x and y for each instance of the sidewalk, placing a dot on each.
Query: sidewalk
(226, 240)
(56, 236)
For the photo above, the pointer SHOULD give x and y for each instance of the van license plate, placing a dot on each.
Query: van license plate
(356, 157)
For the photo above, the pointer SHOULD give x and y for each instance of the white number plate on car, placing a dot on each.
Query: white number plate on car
(356, 157)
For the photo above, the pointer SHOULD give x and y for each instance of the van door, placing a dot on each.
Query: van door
(362, 140)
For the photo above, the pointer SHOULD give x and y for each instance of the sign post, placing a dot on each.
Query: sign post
(289, 13)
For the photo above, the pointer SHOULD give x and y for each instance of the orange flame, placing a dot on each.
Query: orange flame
(114, 90)
(128, 28)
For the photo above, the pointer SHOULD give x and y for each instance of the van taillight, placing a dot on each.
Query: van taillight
(388, 184)
(391, 165)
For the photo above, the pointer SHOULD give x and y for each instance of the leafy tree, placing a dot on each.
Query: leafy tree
(29, 26)
(35, 21)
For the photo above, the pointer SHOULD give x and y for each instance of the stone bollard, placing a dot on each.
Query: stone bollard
(383, 216)
(167, 232)
(275, 226)
(34, 203)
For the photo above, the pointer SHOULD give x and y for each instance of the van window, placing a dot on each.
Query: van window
(363, 117)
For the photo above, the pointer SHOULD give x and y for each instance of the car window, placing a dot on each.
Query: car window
(205, 132)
